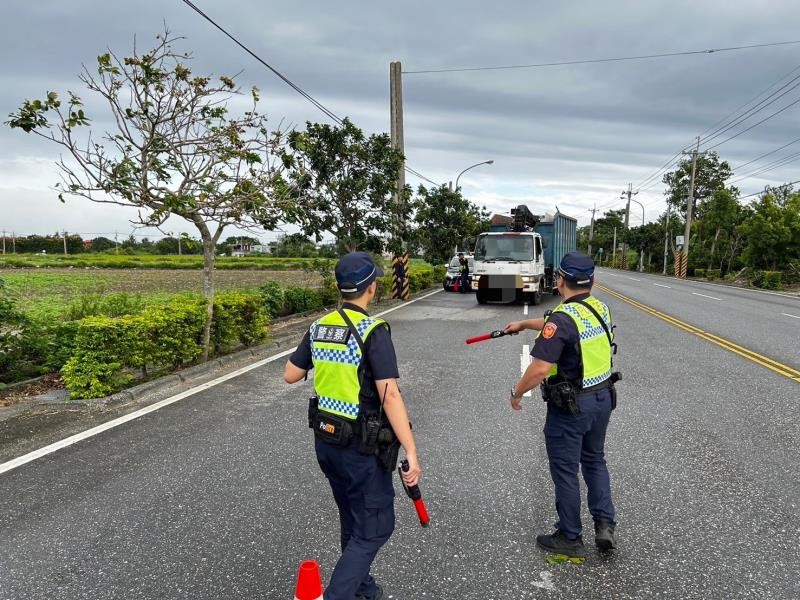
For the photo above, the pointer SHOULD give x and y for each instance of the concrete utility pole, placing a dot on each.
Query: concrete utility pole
(396, 110)
(400, 284)
(614, 250)
(689, 209)
(627, 193)
(666, 240)
(65, 243)
(591, 230)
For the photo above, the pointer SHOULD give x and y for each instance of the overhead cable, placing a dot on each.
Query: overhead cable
(600, 60)
(329, 113)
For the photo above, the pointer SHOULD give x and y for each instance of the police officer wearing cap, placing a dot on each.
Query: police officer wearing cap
(572, 361)
(356, 385)
(463, 268)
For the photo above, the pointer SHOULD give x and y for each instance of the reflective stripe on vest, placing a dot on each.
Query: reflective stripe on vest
(337, 365)
(595, 349)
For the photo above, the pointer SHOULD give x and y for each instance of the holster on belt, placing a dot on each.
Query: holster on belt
(378, 438)
(562, 395)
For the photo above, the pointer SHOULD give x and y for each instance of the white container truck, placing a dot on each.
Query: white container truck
(518, 263)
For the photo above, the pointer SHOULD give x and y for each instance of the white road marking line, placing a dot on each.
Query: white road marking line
(704, 296)
(525, 360)
(662, 285)
(73, 439)
(788, 315)
(634, 278)
(525, 310)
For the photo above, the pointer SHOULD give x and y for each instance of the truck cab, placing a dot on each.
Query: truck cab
(518, 263)
(509, 266)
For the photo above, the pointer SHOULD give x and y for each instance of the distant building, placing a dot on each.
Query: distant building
(246, 249)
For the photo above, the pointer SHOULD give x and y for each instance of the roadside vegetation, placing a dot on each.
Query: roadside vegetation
(104, 329)
(751, 240)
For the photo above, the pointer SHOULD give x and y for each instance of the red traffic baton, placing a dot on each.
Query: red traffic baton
(488, 336)
(415, 495)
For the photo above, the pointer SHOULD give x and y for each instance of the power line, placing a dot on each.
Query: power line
(752, 111)
(754, 98)
(765, 191)
(767, 118)
(737, 167)
(652, 180)
(770, 167)
(329, 113)
(600, 60)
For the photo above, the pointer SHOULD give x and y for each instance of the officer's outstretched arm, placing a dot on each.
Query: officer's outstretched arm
(395, 410)
(292, 373)
(517, 326)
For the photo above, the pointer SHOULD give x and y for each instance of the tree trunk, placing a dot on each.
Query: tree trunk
(209, 258)
(713, 248)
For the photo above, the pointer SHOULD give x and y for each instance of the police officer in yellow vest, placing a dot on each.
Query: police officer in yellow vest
(359, 421)
(572, 361)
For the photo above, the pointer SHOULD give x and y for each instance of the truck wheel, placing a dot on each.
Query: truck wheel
(536, 297)
(480, 297)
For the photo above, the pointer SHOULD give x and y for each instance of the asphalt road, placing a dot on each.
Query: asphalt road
(219, 496)
(766, 322)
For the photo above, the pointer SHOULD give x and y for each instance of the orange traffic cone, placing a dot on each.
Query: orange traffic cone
(457, 286)
(309, 582)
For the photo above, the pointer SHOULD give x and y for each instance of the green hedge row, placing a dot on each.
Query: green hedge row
(108, 352)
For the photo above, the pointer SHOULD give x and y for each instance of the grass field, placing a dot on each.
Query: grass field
(152, 261)
(49, 293)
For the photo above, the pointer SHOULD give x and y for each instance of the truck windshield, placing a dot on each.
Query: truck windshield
(504, 247)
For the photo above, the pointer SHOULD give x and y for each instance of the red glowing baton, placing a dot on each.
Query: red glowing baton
(415, 495)
(488, 336)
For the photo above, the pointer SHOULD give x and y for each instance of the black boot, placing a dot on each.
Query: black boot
(604, 537)
(558, 543)
(378, 594)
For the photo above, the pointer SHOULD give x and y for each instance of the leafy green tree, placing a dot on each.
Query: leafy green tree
(174, 148)
(648, 241)
(773, 232)
(445, 219)
(102, 244)
(342, 182)
(295, 245)
(710, 177)
(604, 234)
(721, 215)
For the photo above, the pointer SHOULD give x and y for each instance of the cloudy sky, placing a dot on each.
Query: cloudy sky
(568, 136)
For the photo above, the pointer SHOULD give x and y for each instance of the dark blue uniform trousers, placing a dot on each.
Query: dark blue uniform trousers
(365, 496)
(580, 440)
(464, 283)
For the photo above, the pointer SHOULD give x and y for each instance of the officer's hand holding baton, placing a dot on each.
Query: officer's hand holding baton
(517, 326)
(411, 476)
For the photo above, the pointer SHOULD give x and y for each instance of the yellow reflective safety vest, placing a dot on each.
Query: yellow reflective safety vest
(595, 347)
(339, 363)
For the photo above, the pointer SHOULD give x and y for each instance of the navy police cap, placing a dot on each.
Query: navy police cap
(577, 267)
(355, 271)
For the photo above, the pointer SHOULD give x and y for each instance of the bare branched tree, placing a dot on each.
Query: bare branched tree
(173, 149)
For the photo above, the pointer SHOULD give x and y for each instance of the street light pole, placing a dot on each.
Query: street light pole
(641, 250)
(486, 162)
